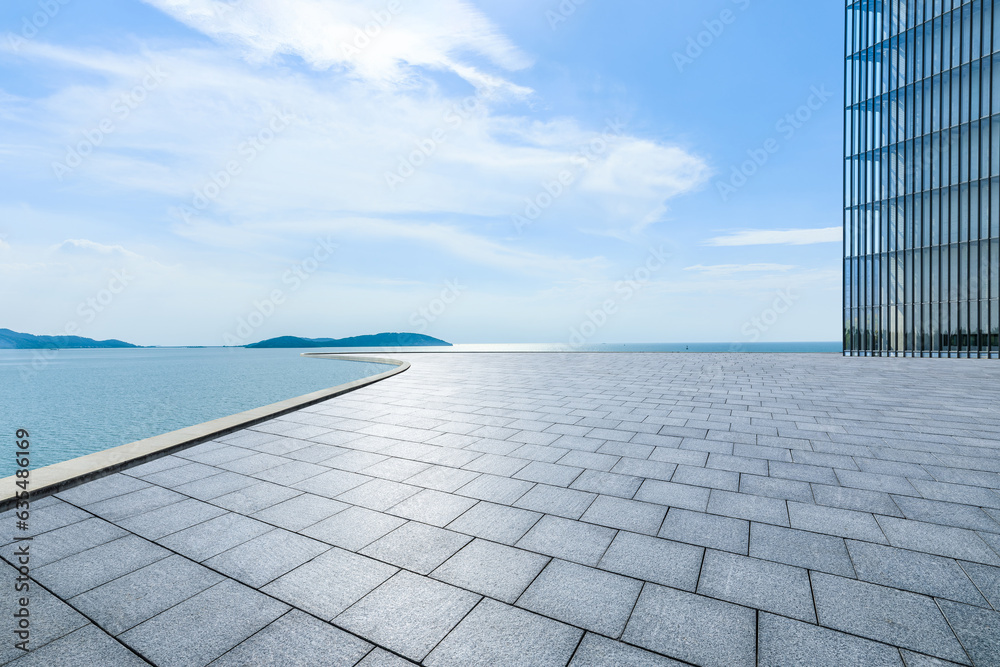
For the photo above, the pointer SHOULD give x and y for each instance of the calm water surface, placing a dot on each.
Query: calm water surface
(75, 402)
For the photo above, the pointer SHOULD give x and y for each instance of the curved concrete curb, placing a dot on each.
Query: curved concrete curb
(67, 474)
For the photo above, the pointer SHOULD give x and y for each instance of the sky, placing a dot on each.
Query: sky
(209, 172)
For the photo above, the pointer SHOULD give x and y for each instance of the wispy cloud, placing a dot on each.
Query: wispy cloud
(379, 41)
(779, 237)
(732, 269)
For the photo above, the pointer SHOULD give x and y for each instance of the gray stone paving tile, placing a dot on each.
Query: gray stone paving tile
(897, 468)
(494, 464)
(378, 494)
(802, 473)
(214, 486)
(763, 452)
(542, 453)
(267, 557)
(291, 472)
(433, 507)
(679, 456)
(708, 477)
(253, 463)
(255, 498)
(987, 580)
(774, 487)
(331, 484)
(548, 473)
(354, 528)
(582, 596)
(42, 519)
(177, 475)
(939, 540)
(86, 646)
(202, 627)
(784, 641)
(885, 614)
(774, 587)
(835, 521)
(674, 623)
(660, 470)
(570, 540)
(102, 489)
(978, 629)
(598, 651)
(501, 490)
(441, 478)
(300, 512)
(497, 634)
(321, 454)
(492, 446)
(50, 618)
(137, 502)
(395, 469)
(408, 614)
(297, 639)
(206, 539)
(382, 658)
(85, 570)
(874, 482)
(630, 515)
(170, 518)
(813, 551)
(330, 583)
(567, 503)
(957, 493)
(588, 460)
(498, 523)
(913, 571)
(494, 570)
(709, 530)
(860, 500)
(156, 465)
(920, 660)
(417, 547)
(129, 600)
(215, 456)
(946, 514)
(674, 495)
(68, 540)
(653, 559)
(737, 464)
(825, 460)
(607, 483)
(751, 508)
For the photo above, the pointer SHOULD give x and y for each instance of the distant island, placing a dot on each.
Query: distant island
(371, 340)
(12, 340)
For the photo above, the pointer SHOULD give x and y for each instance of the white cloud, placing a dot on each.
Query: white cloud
(780, 237)
(732, 269)
(331, 33)
(88, 246)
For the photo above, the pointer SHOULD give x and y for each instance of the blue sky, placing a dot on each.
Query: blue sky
(509, 171)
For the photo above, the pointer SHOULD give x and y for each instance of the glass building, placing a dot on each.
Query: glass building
(922, 178)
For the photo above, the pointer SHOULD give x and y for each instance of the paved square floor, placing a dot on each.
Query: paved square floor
(551, 509)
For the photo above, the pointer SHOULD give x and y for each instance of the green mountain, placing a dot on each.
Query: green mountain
(12, 340)
(372, 340)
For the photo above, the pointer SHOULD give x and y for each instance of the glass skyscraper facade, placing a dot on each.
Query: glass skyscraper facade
(922, 178)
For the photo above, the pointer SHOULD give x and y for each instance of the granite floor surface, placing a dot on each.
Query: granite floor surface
(550, 509)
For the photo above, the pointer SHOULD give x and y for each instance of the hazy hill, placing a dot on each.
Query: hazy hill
(12, 340)
(371, 340)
